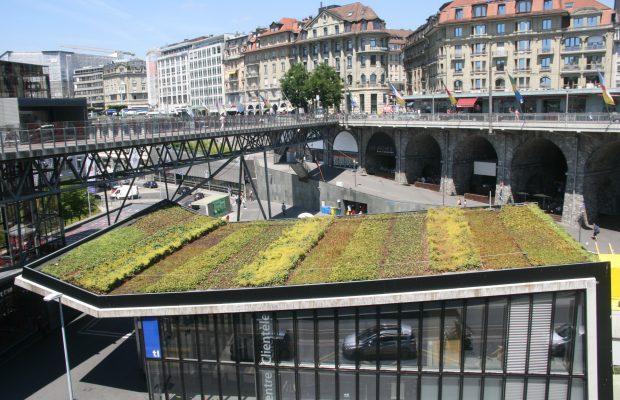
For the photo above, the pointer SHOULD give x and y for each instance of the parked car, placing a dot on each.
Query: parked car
(184, 190)
(384, 344)
(198, 196)
(150, 184)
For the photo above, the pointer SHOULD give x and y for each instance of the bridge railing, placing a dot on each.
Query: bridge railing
(118, 131)
(554, 118)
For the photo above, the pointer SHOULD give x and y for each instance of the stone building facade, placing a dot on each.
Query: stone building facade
(124, 83)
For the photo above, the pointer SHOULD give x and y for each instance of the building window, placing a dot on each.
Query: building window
(458, 67)
(546, 24)
(524, 6)
(500, 84)
(480, 30)
(595, 42)
(458, 13)
(593, 21)
(458, 31)
(578, 22)
(523, 64)
(500, 28)
(524, 26)
(546, 45)
(478, 83)
(349, 45)
(314, 33)
(337, 64)
(480, 10)
(523, 45)
(349, 62)
(545, 82)
(500, 64)
(501, 9)
(282, 66)
(572, 43)
(545, 63)
(479, 48)
(458, 85)
(273, 68)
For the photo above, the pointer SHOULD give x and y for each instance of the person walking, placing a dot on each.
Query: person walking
(595, 230)
(283, 209)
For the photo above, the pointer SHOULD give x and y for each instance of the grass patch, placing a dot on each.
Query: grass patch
(496, 246)
(317, 265)
(405, 249)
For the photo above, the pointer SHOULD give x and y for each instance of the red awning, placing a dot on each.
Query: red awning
(466, 102)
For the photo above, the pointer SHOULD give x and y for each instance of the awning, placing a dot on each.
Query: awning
(466, 102)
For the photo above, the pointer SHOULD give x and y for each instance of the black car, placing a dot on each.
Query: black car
(198, 196)
(369, 345)
(150, 184)
(184, 190)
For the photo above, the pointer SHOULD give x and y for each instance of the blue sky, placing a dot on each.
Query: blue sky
(137, 25)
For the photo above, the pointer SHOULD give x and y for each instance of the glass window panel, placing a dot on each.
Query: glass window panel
(367, 338)
(390, 337)
(170, 340)
(430, 387)
(206, 337)
(474, 328)
(174, 385)
(558, 389)
(431, 325)
(410, 315)
(244, 342)
(450, 387)
(539, 336)
(536, 388)
(266, 338)
(347, 386)
(578, 389)
(327, 385)
(228, 380)
(187, 333)
(210, 381)
(368, 387)
(225, 338)
(326, 336)
(471, 388)
(518, 333)
(453, 335)
(267, 383)
(284, 339)
(409, 387)
(307, 385)
(492, 388)
(580, 338)
(154, 371)
(387, 387)
(563, 332)
(514, 388)
(247, 382)
(350, 345)
(305, 338)
(287, 385)
(191, 379)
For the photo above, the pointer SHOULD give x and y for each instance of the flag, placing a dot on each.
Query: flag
(606, 95)
(513, 83)
(397, 96)
(450, 95)
(265, 101)
(353, 102)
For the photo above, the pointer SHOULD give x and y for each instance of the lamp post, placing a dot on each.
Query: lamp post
(56, 297)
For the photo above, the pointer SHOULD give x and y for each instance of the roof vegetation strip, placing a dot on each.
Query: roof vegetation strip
(273, 265)
(450, 241)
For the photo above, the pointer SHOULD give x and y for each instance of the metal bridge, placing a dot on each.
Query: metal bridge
(36, 165)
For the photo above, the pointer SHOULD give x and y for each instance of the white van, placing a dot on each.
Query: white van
(124, 191)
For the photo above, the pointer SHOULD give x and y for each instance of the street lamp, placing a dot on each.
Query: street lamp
(55, 296)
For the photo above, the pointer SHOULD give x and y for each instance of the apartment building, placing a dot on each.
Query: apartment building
(88, 84)
(152, 82)
(471, 46)
(124, 83)
(267, 59)
(353, 39)
(396, 66)
(234, 71)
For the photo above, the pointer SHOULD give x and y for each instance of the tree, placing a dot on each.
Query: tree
(293, 86)
(326, 83)
(75, 205)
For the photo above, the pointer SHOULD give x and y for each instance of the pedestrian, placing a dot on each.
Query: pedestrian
(516, 114)
(464, 202)
(595, 230)
(458, 202)
(251, 195)
(243, 200)
(222, 121)
(283, 209)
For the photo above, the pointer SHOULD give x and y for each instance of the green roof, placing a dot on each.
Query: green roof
(173, 249)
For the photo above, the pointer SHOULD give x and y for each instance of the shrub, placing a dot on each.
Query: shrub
(450, 244)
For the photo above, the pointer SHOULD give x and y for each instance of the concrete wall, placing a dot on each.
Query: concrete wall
(9, 112)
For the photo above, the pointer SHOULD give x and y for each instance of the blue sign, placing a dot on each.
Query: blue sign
(150, 331)
(91, 189)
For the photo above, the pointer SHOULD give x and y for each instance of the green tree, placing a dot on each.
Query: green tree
(293, 85)
(326, 83)
(75, 205)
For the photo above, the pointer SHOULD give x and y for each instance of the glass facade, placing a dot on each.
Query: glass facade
(511, 347)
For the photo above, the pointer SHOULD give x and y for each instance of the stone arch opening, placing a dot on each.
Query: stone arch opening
(601, 186)
(474, 166)
(423, 159)
(538, 174)
(346, 150)
(381, 155)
